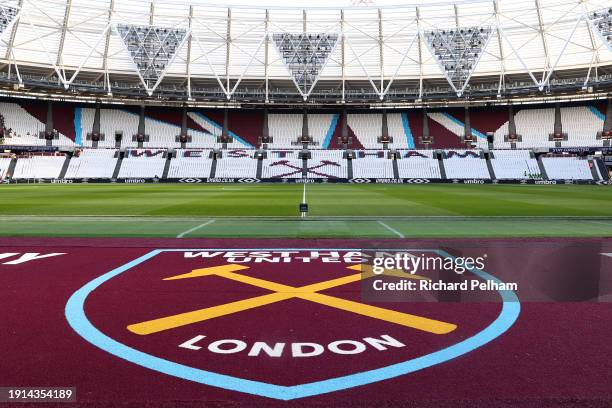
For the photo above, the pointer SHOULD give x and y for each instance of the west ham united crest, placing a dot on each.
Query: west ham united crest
(279, 323)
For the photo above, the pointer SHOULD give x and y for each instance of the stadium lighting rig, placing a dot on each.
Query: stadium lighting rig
(7, 15)
(601, 20)
(457, 52)
(152, 50)
(305, 55)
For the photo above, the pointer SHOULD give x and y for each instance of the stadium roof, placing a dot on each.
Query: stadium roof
(232, 47)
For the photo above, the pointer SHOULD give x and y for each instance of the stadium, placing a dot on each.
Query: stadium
(308, 203)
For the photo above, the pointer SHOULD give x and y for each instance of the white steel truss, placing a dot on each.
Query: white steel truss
(152, 50)
(228, 47)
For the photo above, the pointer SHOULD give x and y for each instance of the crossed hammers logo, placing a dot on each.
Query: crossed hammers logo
(281, 292)
(312, 169)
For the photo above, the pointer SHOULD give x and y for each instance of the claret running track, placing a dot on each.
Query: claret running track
(220, 295)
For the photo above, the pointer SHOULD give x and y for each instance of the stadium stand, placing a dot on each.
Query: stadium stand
(139, 164)
(367, 128)
(23, 127)
(465, 165)
(319, 125)
(209, 140)
(245, 124)
(291, 168)
(92, 163)
(372, 167)
(397, 130)
(5, 162)
(417, 166)
(581, 125)
(190, 163)
(39, 167)
(455, 126)
(236, 167)
(285, 129)
(327, 164)
(567, 168)
(111, 121)
(515, 164)
(534, 125)
(161, 134)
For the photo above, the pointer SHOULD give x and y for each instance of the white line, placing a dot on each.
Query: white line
(189, 231)
(393, 230)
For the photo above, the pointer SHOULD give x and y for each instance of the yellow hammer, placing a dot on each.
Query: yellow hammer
(283, 292)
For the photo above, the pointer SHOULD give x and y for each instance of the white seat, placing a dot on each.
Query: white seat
(372, 167)
(92, 163)
(236, 167)
(142, 167)
(567, 168)
(190, 163)
(5, 162)
(39, 167)
(466, 168)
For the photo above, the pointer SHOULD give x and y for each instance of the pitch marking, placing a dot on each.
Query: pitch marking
(393, 230)
(189, 231)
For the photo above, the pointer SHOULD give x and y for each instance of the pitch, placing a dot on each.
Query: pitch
(271, 210)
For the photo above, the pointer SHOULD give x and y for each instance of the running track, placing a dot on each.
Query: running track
(554, 353)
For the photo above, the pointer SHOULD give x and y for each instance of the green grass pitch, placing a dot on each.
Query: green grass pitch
(336, 210)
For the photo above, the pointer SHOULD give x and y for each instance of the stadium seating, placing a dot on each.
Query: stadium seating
(581, 126)
(367, 127)
(286, 129)
(318, 126)
(456, 127)
(92, 163)
(161, 134)
(142, 167)
(236, 167)
(396, 131)
(190, 164)
(372, 167)
(414, 166)
(25, 127)
(515, 164)
(466, 168)
(111, 121)
(209, 140)
(39, 167)
(282, 168)
(567, 168)
(327, 163)
(5, 162)
(534, 125)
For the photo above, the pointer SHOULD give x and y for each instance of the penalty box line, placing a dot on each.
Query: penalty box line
(393, 230)
(189, 231)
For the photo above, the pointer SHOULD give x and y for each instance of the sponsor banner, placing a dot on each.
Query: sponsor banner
(581, 150)
(252, 180)
(17, 148)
